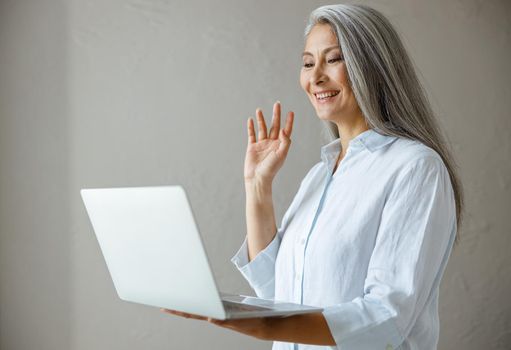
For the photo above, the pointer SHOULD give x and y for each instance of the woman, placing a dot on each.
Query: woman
(369, 232)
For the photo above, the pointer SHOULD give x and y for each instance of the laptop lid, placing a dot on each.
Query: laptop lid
(151, 246)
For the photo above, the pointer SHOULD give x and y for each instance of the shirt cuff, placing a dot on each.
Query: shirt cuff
(362, 324)
(260, 272)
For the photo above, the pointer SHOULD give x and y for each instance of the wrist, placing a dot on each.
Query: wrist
(258, 189)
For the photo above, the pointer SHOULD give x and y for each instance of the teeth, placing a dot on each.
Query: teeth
(326, 94)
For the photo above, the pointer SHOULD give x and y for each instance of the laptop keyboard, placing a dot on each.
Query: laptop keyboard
(230, 306)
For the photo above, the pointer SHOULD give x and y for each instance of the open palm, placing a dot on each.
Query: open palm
(265, 156)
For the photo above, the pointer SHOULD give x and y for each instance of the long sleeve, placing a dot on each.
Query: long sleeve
(260, 272)
(412, 246)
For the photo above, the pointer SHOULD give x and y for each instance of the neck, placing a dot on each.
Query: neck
(350, 129)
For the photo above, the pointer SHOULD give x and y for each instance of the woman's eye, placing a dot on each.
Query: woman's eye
(332, 60)
(335, 59)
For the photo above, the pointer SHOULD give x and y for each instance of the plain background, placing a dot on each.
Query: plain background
(131, 92)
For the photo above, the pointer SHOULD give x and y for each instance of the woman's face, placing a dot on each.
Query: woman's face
(324, 77)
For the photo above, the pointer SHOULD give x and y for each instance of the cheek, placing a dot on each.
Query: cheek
(303, 81)
(343, 77)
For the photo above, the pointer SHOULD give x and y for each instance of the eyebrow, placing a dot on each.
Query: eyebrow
(307, 53)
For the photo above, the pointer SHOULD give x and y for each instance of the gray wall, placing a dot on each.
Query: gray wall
(121, 93)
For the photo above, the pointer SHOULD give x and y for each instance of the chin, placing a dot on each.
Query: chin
(326, 116)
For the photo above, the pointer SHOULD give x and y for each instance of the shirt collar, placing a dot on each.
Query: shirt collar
(369, 139)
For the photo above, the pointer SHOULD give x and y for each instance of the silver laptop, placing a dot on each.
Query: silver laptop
(155, 254)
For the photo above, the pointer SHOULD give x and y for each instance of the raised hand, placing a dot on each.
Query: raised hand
(266, 155)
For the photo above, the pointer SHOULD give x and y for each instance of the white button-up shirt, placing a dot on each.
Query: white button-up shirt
(368, 244)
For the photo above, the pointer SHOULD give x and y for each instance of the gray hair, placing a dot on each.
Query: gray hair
(385, 83)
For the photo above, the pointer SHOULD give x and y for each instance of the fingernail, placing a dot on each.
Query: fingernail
(278, 101)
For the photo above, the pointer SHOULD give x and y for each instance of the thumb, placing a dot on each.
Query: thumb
(284, 142)
(283, 136)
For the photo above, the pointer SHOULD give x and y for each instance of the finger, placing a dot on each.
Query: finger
(223, 323)
(193, 317)
(261, 125)
(284, 144)
(216, 321)
(289, 124)
(167, 311)
(275, 127)
(196, 317)
(251, 131)
(173, 312)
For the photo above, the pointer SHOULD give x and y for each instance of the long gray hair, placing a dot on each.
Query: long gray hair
(385, 83)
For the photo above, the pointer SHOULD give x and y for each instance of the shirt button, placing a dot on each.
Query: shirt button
(302, 241)
(297, 277)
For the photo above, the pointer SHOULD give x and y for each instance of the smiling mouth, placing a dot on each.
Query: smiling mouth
(326, 96)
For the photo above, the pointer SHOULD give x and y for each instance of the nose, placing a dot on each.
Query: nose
(318, 75)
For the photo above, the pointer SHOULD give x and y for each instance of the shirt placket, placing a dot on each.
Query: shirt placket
(304, 241)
